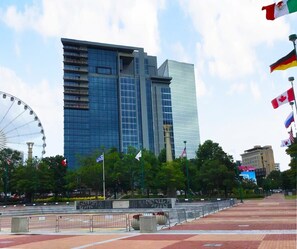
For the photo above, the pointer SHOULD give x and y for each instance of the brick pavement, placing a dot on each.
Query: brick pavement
(256, 224)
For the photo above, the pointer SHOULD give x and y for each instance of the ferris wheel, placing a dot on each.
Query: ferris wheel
(20, 127)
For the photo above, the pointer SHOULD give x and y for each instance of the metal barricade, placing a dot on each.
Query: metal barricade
(110, 221)
(120, 221)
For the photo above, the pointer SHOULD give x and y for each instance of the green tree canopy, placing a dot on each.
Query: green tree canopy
(216, 169)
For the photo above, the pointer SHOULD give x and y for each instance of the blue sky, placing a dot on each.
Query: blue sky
(230, 43)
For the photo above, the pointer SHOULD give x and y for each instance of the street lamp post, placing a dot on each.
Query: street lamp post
(293, 39)
(6, 181)
(187, 169)
(103, 177)
(291, 79)
(239, 182)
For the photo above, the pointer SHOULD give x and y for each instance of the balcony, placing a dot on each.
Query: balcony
(76, 78)
(71, 84)
(76, 106)
(76, 91)
(75, 61)
(76, 99)
(75, 48)
(68, 68)
(76, 55)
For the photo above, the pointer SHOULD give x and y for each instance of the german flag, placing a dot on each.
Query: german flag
(290, 60)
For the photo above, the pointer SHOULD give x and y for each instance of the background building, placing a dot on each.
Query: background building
(260, 157)
(184, 105)
(113, 98)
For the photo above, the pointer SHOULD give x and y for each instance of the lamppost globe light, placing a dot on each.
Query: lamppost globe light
(291, 79)
(187, 171)
(293, 38)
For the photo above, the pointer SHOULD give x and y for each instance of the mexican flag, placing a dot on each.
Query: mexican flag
(279, 9)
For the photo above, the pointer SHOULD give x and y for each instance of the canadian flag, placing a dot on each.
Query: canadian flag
(283, 98)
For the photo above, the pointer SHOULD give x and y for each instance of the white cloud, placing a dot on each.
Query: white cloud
(126, 22)
(237, 88)
(46, 102)
(18, 20)
(201, 87)
(230, 35)
(255, 90)
(180, 52)
(120, 21)
(17, 49)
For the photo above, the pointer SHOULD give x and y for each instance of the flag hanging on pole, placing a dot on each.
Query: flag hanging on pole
(283, 98)
(286, 142)
(100, 159)
(290, 60)
(138, 156)
(184, 153)
(289, 120)
(279, 9)
(64, 162)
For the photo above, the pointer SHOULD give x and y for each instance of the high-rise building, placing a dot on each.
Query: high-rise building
(261, 158)
(113, 98)
(184, 106)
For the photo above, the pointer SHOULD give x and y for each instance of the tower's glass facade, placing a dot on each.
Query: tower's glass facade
(184, 105)
(109, 99)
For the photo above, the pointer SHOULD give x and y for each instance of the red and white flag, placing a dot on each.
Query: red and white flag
(286, 142)
(64, 162)
(184, 153)
(283, 98)
(279, 9)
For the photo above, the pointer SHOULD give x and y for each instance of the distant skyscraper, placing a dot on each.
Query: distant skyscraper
(261, 158)
(184, 105)
(113, 98)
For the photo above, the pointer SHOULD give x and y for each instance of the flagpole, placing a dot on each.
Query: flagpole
(142, 175)
(139, 158)
(187, 171)
(293, 38)
(294, 115)
(291, 79)
(103, 177)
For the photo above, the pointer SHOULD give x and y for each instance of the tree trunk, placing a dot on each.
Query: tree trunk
(171, 192)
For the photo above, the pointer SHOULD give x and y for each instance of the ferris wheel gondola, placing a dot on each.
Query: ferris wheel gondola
(20, 127)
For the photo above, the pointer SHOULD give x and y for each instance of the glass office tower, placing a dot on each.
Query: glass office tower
(113, 98)
(184, 106)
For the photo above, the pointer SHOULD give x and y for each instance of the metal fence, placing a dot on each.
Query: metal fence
(180, 215)
(73, 222)
(114, 221)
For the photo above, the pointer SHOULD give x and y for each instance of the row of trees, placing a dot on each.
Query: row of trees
(211, 173)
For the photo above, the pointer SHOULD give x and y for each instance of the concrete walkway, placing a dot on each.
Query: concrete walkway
(256, 224)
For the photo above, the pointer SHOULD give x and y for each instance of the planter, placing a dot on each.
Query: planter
(135, 224)
(161, 219)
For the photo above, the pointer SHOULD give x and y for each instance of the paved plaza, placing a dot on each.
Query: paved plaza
(255, 224)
